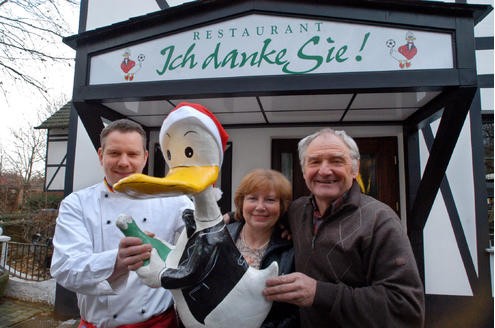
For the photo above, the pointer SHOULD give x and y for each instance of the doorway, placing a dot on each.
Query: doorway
(379, 170)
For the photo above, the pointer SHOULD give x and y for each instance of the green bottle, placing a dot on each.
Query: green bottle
(128, 226)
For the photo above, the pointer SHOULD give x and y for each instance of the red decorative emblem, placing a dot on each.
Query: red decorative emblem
(127, 65)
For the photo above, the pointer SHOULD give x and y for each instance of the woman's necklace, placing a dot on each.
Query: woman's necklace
(252, 255)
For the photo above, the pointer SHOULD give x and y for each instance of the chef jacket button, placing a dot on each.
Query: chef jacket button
(115, 316)
(143, 311)
(106, 195)
(144, 219)
(108, 221)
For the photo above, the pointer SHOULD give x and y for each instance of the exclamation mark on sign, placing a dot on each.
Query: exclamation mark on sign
(366, 36)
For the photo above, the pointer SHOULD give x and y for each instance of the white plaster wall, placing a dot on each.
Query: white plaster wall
(56, 152)
(442, 256)
(484, 61)
(484, 58)
(486, 95)
(87, 168)
(58, 183)
(485, 27)
(461, 179)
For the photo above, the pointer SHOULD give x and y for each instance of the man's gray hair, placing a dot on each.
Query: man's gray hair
(346, 139)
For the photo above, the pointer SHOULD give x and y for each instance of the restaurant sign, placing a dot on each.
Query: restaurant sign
(259, 45)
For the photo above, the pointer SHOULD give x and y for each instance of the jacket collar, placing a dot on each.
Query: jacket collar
(350, 200)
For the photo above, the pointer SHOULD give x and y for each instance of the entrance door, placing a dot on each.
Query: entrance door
(378, 170)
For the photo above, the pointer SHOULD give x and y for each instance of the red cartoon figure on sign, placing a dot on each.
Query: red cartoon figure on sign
(405, 53)
(128, 66)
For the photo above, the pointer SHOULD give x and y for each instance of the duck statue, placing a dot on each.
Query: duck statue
(210, 281)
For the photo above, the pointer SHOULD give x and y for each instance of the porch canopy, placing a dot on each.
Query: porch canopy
(272, 63)
(292, 63)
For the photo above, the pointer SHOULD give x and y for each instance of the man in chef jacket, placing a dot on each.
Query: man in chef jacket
(91, 256)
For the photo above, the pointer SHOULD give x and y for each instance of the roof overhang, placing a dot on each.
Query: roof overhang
(193, 8)
(376, 95)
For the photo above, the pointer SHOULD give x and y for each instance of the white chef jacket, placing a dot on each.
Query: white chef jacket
(85, 249)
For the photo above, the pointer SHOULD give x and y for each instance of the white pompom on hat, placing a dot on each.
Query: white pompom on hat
(186, 110)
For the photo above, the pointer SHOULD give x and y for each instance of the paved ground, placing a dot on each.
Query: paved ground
(21, 314)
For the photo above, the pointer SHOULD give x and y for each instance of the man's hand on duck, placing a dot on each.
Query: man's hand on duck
(151, 274)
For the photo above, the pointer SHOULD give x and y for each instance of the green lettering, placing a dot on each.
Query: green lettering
(175, 63)
(231, 57)
(330, 51)
(339, 55)
(182, 60)
(245, 59)
(279, 59)
(168, 50)
(300, 54)
(212, 57)
(263, 55)
(341, 52)
(188, 57)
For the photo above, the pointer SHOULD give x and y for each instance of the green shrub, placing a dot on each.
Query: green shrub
(42, 200)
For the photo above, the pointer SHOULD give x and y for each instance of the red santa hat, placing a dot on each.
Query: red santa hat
(186, 110)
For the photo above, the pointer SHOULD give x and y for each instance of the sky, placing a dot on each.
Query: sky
(23, 104)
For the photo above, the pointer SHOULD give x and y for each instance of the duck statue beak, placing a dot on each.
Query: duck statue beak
(179, 181)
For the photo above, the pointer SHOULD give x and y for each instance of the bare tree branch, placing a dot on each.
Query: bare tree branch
(28, 145)
(25, 78)
(31, 34)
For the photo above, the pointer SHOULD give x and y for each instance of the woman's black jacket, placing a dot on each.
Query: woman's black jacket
(281, 315)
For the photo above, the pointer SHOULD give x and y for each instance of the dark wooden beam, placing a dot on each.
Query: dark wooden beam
(448, 132)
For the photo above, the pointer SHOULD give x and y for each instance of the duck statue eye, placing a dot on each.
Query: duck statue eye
(169, 155)
(188, 152)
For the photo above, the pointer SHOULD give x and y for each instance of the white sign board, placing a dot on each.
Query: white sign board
(258, 45)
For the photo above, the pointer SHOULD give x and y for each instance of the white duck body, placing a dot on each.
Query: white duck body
(211, 282)
(244, 306)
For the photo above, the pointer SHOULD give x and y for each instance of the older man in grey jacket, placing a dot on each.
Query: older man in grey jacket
(355, 266)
